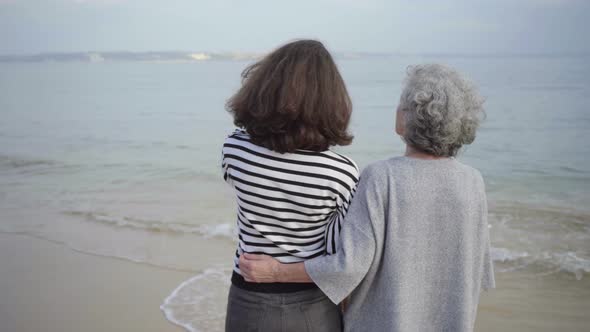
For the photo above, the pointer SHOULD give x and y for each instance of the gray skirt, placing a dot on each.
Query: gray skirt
(308, 310)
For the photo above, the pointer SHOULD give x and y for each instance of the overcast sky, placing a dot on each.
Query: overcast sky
(407, 26)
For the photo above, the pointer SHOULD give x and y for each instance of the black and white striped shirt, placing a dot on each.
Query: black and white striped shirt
(291, 205)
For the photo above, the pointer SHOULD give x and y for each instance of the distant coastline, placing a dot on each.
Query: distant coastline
(187, 57)
(155, 56)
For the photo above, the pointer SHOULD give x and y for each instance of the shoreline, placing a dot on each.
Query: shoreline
(49, 287)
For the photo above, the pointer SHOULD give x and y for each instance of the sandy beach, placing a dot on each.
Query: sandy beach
(48, 287)
(525, 302)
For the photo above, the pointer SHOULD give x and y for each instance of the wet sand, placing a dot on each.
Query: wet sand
(524, 301)
(528, 301)
(48, 287)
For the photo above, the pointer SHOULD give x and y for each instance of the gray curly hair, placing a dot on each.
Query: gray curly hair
(442, 109)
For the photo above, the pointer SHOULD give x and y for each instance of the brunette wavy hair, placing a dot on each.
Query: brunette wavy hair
(294, 98)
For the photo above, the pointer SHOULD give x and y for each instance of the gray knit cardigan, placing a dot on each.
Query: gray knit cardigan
(415, 249)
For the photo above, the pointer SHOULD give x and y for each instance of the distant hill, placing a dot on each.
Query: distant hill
(127, 56)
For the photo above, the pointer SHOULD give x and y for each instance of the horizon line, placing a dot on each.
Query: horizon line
(340, 52)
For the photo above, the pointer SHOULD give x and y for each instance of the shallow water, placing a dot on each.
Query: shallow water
(122, 159)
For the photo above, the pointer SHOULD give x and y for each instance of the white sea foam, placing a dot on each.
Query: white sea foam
(220, 230)
(569, 262)
(198, 304)
(505, 255)
(553, 262)
(223, 230)
(556, 260)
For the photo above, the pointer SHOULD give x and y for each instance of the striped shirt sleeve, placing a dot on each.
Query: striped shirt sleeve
(225, 167)
(335, 226)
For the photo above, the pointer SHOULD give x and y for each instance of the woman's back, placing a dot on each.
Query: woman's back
(431, 253)
(432, 243)
(290, 205)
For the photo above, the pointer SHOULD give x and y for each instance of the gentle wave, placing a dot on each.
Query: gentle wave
(562, 260)
(505, 255)
(223, 230)
(547, 237)
(539, 212)
(569, 262)
(26, 166)
(86, 251)
(18, 162)
(198, 304)
(570, 169)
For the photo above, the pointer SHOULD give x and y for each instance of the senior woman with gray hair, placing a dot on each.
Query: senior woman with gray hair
(414, 250)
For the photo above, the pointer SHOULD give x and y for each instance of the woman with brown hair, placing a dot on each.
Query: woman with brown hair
(291, 190)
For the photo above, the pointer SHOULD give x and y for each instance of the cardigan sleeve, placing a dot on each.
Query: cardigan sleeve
(339, 274)
(488, 281)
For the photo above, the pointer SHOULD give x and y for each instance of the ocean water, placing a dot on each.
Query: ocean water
(122, 159)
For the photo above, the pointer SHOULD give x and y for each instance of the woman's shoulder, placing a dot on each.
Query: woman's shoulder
(240, 139)
(341, 160)
(237, 140)
(378, 173)
(384, 167)
(329, 160)
(470, 176)
(237, 134)
(470, 171)
(395, 166)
